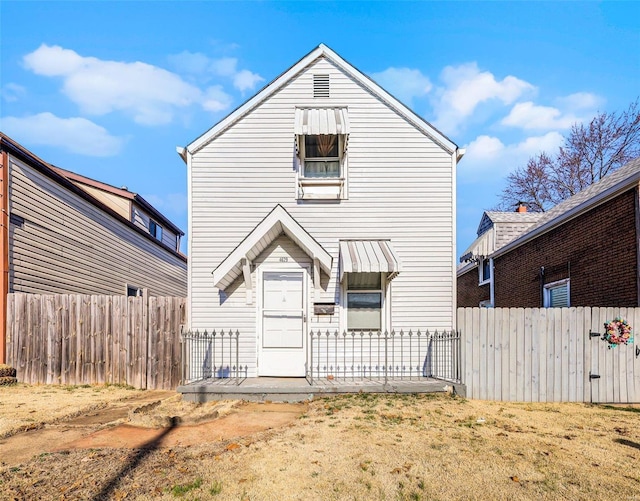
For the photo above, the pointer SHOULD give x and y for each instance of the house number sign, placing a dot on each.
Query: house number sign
(284, 259)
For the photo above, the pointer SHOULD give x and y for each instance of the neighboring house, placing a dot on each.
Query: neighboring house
(321, 203)
(582, 252)
(71, 234)
(495, 230)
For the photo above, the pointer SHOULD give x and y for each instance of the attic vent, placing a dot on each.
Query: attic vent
(320, 85)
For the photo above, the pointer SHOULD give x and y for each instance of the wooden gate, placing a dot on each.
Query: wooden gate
(548, 355)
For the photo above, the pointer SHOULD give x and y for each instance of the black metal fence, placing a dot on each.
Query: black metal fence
(211, 354)
(384, 356)
(347, 356)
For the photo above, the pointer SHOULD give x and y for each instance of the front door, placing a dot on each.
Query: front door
(282, 343)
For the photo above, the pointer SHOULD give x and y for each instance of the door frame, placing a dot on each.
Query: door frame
(282, 267)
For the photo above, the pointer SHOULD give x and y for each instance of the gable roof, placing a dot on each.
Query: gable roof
(605, 189)
(507, 217)
(496, 229)
(120, 192)
(277, 222)
(61, 177)
(322, 51)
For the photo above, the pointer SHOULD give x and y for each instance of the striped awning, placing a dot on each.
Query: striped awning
(368, 256)
(316, 121)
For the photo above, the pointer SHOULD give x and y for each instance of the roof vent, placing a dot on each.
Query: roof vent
(124, 188)
(320, 85)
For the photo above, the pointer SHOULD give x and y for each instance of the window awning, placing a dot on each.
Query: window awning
(368, 256)
(315, 121)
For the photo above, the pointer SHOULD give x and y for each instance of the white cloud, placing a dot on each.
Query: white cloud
(148, 93)
(11, 92)
(404, 83)
(202, 66)
(465, 87)
(575, 108)
(197, 63)
(76, 135)
(216, 99)
(245, 80)
(528, 115)
(225, 66)
(488, 155)
(580, 101)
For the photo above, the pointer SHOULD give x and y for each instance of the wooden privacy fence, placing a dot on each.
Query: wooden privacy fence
(82, 339)
(548, 355)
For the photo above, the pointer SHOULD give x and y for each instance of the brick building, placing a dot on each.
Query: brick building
(583, 252)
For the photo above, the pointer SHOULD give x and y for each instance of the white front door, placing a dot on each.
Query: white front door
(282, 343)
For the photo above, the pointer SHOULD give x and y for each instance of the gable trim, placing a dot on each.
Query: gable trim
(278, 221)
(323, 51)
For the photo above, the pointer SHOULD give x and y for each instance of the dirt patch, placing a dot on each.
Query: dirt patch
(151, 419)
(241, 421)
(362, 447)
(25, 407)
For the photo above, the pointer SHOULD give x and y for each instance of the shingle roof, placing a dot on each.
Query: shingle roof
(607, 187)
(512, 217)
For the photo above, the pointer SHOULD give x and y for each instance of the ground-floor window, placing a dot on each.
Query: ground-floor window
(556, 294)
(364, 301)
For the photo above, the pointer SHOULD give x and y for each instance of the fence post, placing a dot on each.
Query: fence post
(311, 363)
(386, 356)
(237, 357)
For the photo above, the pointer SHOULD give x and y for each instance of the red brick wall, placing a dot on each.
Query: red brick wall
(469, 292)
(596, 250)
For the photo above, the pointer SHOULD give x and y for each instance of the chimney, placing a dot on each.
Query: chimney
(522, 207)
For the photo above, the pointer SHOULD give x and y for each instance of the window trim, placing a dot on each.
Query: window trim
(335, 187)
(385, 314)
(546, 298)
(482, 280)
(128, 287)
(155, 230)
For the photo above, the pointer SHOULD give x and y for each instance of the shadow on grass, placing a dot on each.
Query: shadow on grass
(624, 441)
(109, 488)
(615, 408)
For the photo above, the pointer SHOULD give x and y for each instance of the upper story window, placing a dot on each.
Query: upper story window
(155, 229)
(321, 156)
(321, 141)
(556, 294)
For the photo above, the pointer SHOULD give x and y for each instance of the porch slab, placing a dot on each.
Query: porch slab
(273, 389)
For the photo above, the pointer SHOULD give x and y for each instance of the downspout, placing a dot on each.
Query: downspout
(492, 291)
(4, 253)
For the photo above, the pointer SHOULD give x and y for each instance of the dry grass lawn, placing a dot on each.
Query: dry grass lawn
(365, 447)
(24, 407)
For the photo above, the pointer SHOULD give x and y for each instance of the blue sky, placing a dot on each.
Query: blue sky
(109, 89)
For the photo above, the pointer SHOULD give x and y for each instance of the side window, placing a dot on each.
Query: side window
(155, 230)
(133, 291)
(364, 301)
(484, 271)
(556, 294)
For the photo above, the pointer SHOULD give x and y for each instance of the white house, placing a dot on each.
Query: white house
(322, 203)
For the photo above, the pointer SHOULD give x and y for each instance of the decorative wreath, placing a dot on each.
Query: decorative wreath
(618, 331)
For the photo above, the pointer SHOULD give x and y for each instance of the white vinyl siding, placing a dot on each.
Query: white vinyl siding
(67, 245)
(400, 188)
